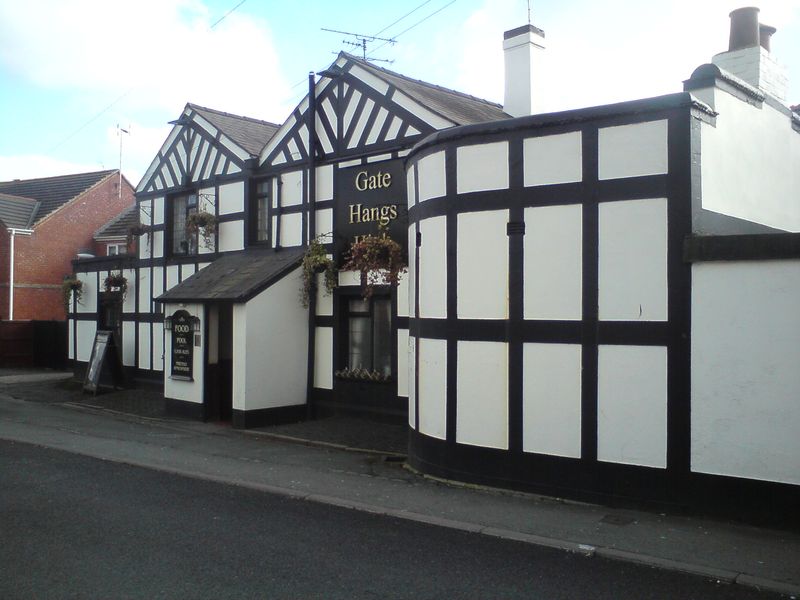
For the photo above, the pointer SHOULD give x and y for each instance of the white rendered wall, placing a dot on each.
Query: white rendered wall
(552, 159)
(482, 416)
(231, 236)
(433, 268)
(145, 357)
(292, 188)
(324, 182)
(431, 176)
(433, 388)
(553, 259)
(551, 396)
(632, 405)
(291, 230)
(412, 353)
(143, 288)
(633, 260)
(482, 265)
(128, 343)
(323, 358)
(745, 375)
(275, 355)
(173, 276)
(188, 391)
(231, 198)
(481, 167)
(402, 362)
(632, 150)
(749, 166)
(88, 302)
(85, 334)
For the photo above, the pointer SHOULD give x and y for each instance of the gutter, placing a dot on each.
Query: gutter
(14, 231)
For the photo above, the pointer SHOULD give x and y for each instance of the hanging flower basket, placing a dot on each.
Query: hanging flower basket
(116, 282)
(72, 287)
(316, 260)
(134, 231)
(379, 259)
(205, 224)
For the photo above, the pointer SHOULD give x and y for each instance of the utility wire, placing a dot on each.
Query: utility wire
(408, 14)
(420, 22)
(119, 99)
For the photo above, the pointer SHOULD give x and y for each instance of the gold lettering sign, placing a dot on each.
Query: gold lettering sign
(365, 181)
(383, 215)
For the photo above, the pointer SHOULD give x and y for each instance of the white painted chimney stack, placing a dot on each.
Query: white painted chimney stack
(523, 50)
(748, 56)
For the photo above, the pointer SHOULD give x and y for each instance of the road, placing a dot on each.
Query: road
(72, 526)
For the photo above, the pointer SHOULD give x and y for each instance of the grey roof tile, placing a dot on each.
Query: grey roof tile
(16, 211)
(236, 277)
(53, 192)
(458, 107)
(251, 134)
(119, 225)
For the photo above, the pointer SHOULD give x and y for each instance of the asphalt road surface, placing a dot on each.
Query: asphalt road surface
(78, 527)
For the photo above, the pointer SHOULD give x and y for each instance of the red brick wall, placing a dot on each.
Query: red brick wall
(42, 260)
(4, 243)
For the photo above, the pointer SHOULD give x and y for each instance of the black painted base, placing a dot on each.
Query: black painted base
(243, 419)
(755, 502)
(184, 409)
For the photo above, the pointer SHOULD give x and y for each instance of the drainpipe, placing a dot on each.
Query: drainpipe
(310, 235)
(14, 232)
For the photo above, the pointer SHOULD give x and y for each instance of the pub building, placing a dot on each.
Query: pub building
(570, 321)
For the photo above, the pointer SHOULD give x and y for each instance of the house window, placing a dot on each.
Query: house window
(182, 241)
(115, 249)
(369, 335)
(261, 211)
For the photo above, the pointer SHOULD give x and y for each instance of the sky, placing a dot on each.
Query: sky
(75, 72)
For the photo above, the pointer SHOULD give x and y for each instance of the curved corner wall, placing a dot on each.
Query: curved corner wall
(549, 303)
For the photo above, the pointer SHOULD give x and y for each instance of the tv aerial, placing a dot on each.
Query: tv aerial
(361, 41)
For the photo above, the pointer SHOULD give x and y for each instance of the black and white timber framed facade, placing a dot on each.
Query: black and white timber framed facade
(554, 331)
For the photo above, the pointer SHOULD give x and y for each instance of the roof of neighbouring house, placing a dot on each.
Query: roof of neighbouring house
(251, 134)
(52, 193)
(236, 277)
(458, 107)
(118, 226)
(16, 211)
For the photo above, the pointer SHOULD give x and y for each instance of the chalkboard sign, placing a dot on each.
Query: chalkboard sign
(104, 347)
(182, 345)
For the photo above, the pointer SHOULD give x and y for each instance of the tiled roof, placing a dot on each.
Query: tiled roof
(16, 211)
(458, 107)
(53, 192)
(119, 225)
(251, 134)
(236, 277)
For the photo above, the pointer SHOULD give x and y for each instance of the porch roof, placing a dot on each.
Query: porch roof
(235, 277)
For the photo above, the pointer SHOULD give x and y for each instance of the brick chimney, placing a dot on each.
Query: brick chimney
(748, 56)
(523, 50)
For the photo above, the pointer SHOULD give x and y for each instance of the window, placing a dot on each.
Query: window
(182, 241)
(261, 212)
(116, 249)
(369, 335)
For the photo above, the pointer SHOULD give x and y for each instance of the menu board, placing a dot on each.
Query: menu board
(104, 347)
(182, 345)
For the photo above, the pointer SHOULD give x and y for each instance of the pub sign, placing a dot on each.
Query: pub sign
(371, 200)
(183, 327)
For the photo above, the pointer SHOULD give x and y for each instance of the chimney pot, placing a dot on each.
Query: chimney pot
(764, 35)
(522, 49)
(744, 28)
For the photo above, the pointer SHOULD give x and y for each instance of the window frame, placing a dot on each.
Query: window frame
(191, 240)
(261, 194)
(347, 314)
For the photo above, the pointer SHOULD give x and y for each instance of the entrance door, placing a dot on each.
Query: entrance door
(219, 369)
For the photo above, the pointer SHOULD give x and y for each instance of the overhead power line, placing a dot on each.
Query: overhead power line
(119, 99)
(420, 22)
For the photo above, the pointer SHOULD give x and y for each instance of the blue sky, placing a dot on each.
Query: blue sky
(72, 70)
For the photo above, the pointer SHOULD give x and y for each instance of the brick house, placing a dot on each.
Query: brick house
(48, 221)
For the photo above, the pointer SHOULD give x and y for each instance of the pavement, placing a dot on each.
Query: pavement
(355, 464)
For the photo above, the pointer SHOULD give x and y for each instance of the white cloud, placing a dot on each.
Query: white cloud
(599, 53)
(162, 50)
